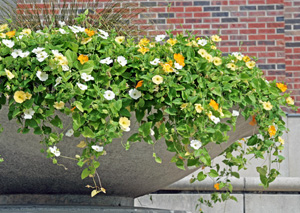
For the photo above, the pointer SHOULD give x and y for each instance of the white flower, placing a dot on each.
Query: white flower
(107, 61)
(9, 74)
(196, 144)
(42, 75)
(69, 133)
(57, 81)
(159, 38)
(38, 50)
(103, 34)
(54, 151)
(157, 79)
(56, 53)
(77, 29)
(202, 42)
(125, 129)
(8, 43)
(82, 86)
(155, 61)
(24, 54)
(20, 37)
(135, 94)
(15, 53)
(97, 148)
(178, 66)
(152, 132)
(122, 61)
(28, 113)
(65, 67)
(61, 23)
(62, 31)
(215, 119)
(41, 56)
(109, 95)
(235, 113)
(86, 77)
(259, 136)
(238, 55)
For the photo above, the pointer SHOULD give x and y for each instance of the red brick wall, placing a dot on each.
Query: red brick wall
(267, 29)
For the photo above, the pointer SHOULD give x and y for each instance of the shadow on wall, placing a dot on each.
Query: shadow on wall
(4, 4)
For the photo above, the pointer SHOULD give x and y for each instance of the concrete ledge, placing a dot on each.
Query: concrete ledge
(281, 184)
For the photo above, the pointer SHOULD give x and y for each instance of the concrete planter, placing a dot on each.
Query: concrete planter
(123, 173)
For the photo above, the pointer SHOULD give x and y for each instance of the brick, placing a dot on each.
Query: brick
(292, 21)
(238, 14)
(265, 19)
(148, 15)
(238, 37)
(266, 7)
(243, 7)
(275, 1)
(193, 9)
(182, 15)
(229, 19)
(257, 37)
(256, 25)
(257, 49)
(175, 21)
(201, 3)
(219, 26)
(238, 2)
(247, 19)
(194, 20)
(288, 27)
(248, 31)
(280, 7)
(176, 9)
(276, 48)
(266, 42)
(275, 25)
(211, 9)
(249, 43)
(220, 14)
(238, 25)
(279, 18)
(276, 60)
(212, 20)
(266, 55)
(279, 30)
(257, 13)
(166, 15)
(158, 9)
(201, 26)
(186, 3)
(148, 4)
(201, 14)
(281, 66)
(292, 44)
(157, 21)
(230, 32)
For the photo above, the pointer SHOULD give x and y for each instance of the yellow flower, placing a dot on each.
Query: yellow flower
(59, 105)
(3, 27)
(143, 50)
(9, 74)
(221, 111)
(183, 106)
(250, 64)
(290, 101)
(144, 42)
(20, 96)
(90, 33)
(246, 58)
(198, 108)
(280, 139)
(213, 47)
(217, 61)
(28, 96)
(26, 32)
(119, 39)
(209, 114)
(209, 58)
(272, 130)
(172, 41)
(267, 105)
(124, 122)
(83, 59)
(2, 35)
(157, 79)
(11, 34)
(215, 38)
(281, 86)
(61, 59)
(179, 59)
(231, 66)
(86, 40)
(214, 104)
(167, 67)
(202, 52)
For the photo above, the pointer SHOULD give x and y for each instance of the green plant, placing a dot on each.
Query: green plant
(99, 79)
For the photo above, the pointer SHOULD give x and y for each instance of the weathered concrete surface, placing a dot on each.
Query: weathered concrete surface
(123, 173)
(188, 203)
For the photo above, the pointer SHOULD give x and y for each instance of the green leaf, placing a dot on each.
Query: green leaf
(157, 159)
(88, 133)
(72, 57)
(139, 115)
(235, 174)
(171, 111)
(144, 129)
(135, 137)
(87, 67)
(201, 176)
(38, 131)
(79, 106)
(57, 122)
(78, 120)
(85, 173)
(125, 112)
(213, 173)
(252, 141)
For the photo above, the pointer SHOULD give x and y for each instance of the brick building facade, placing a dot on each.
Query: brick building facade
(266, 29)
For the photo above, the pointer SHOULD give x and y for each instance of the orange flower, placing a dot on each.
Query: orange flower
(253, 122)
(217, 186)
(214, 104)
(179, 59)
(167, 67)
(143, 50)
(272, 130)
(139, 84)
(90, 33)
(11, 34)
(281, 86)
(83, 59)
(72, 110)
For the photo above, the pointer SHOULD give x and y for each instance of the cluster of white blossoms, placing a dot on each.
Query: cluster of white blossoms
(54, 150)
(202, 42)
(41, 55)
(122, 60)
(238, 55)
(155, 62)
(235, 113)
(76, 29)
(135, 94)
(97, 148)
(8, 43)
(69, 133)
(159, 38)
(19, 53)
(195, 144)
(107, 61)
(86, 77)
(28, 113)
(43, 76)
(103, 34)
(82, 86)
(109, 95)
